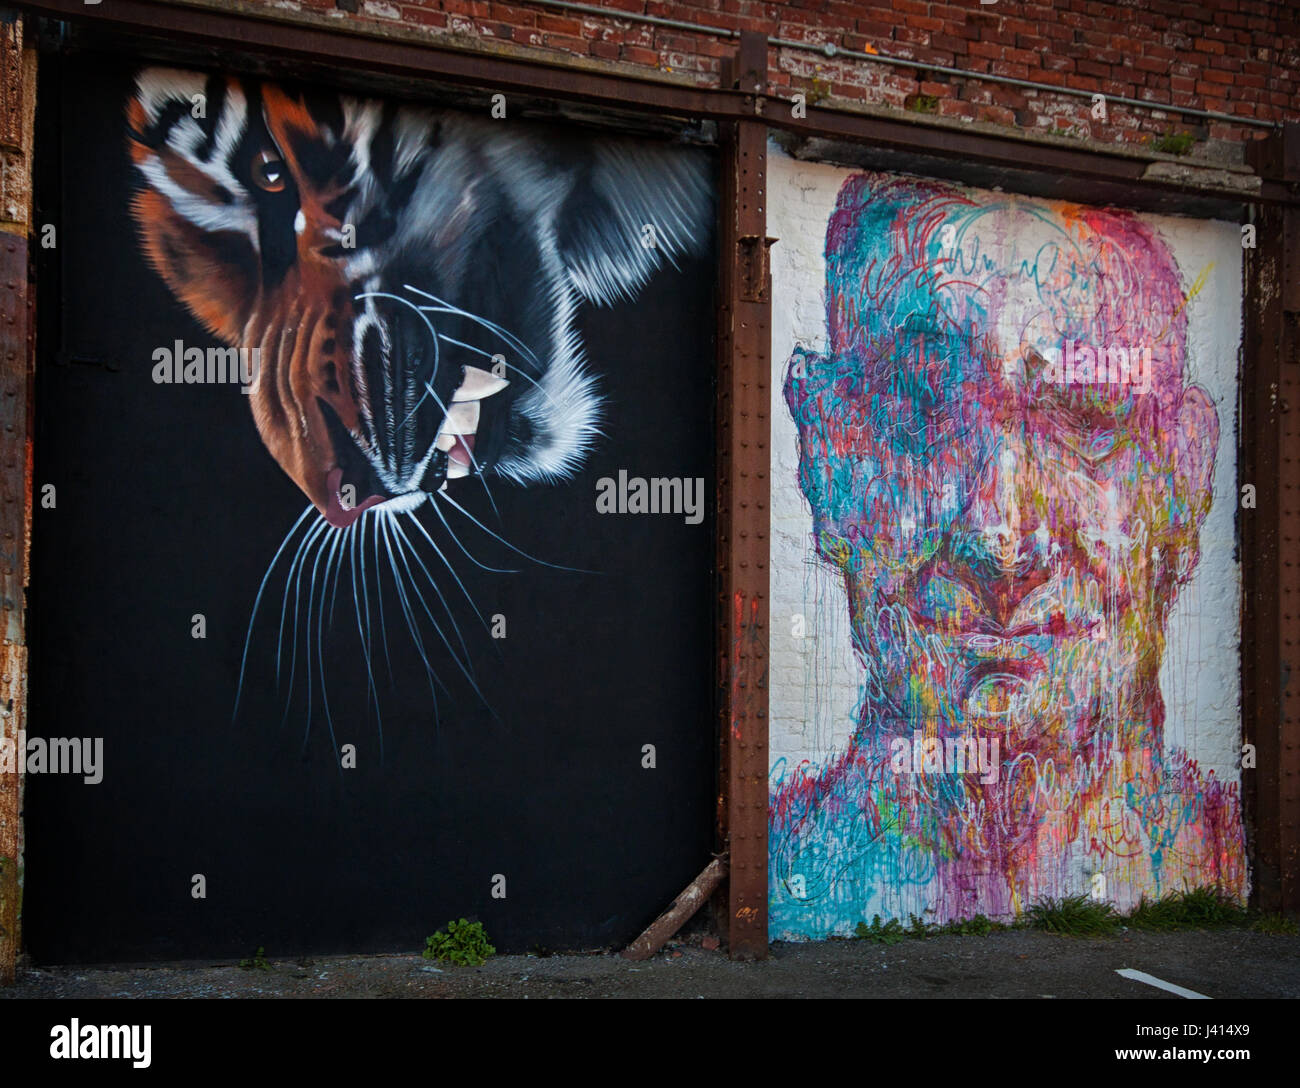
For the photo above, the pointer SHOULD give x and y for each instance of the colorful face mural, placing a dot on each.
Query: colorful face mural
(399, 290)
(1007, 466)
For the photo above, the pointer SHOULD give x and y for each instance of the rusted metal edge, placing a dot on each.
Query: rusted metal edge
(353, 48)
(744, 515)
(1269, 461)
(14, 500)
(17, 75)
(679, 912)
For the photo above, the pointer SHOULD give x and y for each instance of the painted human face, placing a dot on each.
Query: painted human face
(1010, 523)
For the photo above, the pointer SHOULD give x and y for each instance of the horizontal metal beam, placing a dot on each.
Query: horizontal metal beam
(312, 40)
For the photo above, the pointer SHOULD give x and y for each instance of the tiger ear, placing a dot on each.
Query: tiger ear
(630, 211)
(194, 228)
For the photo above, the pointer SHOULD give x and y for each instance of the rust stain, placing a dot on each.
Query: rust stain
(737, 626)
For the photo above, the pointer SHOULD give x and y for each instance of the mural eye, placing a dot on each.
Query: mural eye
(269, 172)
(1102, 445)
(1096, 447)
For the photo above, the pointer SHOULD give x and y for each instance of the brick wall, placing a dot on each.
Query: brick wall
(1238, 57)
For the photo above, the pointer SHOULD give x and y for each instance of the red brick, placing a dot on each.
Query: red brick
(563, 41)
(913, 37)
(516, 16)
(948, 43)
(1152, 64)
(556, 24)
(638, 55)
(1238, 54)
(424, 17)
(1092, 68)
(998, 115)
(950, 107)
(1010, 71)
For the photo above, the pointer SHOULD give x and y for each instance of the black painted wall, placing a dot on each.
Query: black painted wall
(168, 505)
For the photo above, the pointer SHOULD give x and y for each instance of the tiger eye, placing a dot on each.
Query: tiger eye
(269, 171)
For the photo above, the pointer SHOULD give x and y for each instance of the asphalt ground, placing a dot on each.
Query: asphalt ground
(1233, 963)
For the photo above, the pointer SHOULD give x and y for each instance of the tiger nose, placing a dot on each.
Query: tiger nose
(413, 359)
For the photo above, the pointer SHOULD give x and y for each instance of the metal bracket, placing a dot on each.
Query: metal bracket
(755, 267)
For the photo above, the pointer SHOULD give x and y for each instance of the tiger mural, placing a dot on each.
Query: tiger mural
(381, 257)
(411, 279)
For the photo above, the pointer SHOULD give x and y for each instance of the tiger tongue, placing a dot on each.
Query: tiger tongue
(343, 510)
(460, 457)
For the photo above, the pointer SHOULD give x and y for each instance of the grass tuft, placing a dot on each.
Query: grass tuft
(1199, 908)
(1083, 916)
(1075, 916)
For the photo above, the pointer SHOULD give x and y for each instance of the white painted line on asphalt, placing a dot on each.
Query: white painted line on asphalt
(1159, 984)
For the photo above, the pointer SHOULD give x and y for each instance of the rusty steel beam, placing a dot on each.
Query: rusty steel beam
(405, 53)
(1270, 537)
(15, 509)
(17, 82)
(743, 510)
(679, 912)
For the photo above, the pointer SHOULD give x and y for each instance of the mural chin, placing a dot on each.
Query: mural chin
(995, 696)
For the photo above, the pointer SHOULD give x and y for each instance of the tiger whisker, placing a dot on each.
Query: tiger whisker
(407, 613)
(450, 569)
(447, 498)
(354, 549)
(397, 528)
(478, 471)
(338, 568)
(379, 598)
(320, 654)
(444, 306)
(510, 338)
(257, 601)
(412, 412)
(301, 562)
(303, 545)
(433, 338)
(456, 540)
(311, 598)
(488, 355)
(428, 385)
(392, 524)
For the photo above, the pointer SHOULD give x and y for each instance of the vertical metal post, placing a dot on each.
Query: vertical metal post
(744, 508)
(1270, 534)
(17, 84)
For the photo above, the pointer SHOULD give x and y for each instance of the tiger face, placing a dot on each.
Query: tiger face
(408, 277)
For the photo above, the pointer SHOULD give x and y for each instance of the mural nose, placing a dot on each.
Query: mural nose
(1005, 558)
(1002, 515)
